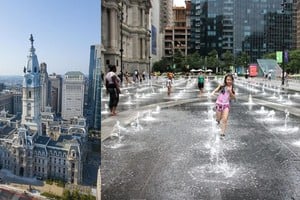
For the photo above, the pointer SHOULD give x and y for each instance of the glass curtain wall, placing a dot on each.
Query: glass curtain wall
(254, 26)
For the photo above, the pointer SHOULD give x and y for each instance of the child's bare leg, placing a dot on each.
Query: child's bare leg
(224, 120)
(218, 116)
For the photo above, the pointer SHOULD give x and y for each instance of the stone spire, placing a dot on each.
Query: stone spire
(32, 63)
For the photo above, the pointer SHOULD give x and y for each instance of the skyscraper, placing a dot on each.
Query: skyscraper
(56, 93)
(45, 86)
(254, 27)
(94, 101)
(73, 95)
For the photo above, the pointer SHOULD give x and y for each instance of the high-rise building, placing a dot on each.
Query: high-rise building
(297, 19)
(254, 27)
(166, 14)
(157, 34)
(56, 93)
(45, 86)
(73, 95)
(178, 35)
(94, 87)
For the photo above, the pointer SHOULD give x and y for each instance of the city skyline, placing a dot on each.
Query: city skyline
(63, 32)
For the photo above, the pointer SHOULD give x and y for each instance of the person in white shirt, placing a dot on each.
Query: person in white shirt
(112, 83)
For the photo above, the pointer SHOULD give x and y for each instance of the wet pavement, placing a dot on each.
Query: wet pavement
(176, 153)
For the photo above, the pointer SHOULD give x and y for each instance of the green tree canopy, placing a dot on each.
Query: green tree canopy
(212, 60)
(193, 61)
(228, 60)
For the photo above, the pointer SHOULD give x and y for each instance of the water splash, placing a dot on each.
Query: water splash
(136, 124)
(105, 111)
(148, 116)
(287, 129)
(157, 110)
(128, 102)
(262, 110)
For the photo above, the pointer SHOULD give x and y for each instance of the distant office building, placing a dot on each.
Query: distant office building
(178, 34)
(6, 102)
(297, 8)
(166, 14)
(94, 89)
(157, 34)
(254, 27)
(45, 87)
(11, 102)
(56, 93)
(17, 103)
(2, 87)
(73, 95)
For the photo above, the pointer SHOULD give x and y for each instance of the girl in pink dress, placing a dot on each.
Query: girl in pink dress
(226, 93)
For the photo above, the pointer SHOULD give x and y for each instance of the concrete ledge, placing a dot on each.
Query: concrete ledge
(126, 117)
(276, 106)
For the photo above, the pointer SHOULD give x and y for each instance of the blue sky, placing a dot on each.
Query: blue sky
(63, 31)
(179, 2)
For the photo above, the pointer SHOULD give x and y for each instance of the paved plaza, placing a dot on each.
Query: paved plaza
(168, 147)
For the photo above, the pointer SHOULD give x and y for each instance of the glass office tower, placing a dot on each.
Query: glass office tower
(253, 26)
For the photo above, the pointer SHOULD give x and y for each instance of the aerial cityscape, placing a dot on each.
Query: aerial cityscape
(50, 122)
(200, 100)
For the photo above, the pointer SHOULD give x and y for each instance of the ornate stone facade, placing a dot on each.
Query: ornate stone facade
(39, 146)
(135, 28)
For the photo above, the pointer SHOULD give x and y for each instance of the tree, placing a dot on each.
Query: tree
(178, 63)
(242, 59)
(293, 65)
(194, 61)
(76, 195)
(162, 65)
(67, 195)
(228, 60)
(213, 60)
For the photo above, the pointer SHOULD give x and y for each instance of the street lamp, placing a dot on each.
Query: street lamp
(283, 8)
(149, 34)
(121, 32)
(149, 67)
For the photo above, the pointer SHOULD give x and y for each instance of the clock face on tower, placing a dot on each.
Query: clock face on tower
(29, 81)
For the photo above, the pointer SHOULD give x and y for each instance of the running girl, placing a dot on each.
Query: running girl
(226, 93)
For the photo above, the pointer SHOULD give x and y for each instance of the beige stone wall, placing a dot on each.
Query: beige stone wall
(135, 33)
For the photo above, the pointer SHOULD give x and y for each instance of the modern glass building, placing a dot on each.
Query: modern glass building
(253, 26)
(94, 90)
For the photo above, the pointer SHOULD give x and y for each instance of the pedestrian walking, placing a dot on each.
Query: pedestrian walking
(144, 75)
(169, 83)
(201, 79)
(127, 77)
(269, 76)
(112, 83)
(225, 94)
